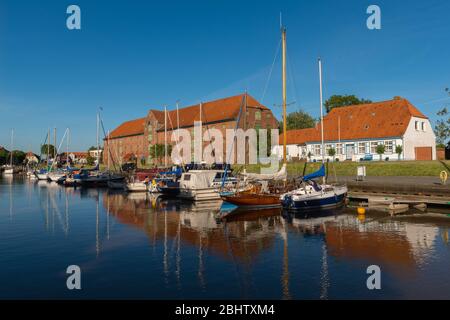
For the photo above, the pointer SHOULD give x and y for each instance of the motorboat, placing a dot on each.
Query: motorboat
(197, 185)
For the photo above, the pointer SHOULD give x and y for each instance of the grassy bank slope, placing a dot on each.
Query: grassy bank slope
(373, 168)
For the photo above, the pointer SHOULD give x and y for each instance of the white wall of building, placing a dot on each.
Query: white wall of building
(420, 136)
(349, 150)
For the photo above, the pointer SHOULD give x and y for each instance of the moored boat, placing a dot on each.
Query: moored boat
(197, 185)
(137, 186)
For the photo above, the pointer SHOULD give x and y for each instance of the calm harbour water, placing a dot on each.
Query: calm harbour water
(141, 246)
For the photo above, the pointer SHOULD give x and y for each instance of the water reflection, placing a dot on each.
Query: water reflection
(200, 247)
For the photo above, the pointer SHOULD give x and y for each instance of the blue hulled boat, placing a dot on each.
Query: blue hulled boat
(314, 196)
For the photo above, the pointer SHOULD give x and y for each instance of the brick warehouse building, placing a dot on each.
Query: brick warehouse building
(135, 138)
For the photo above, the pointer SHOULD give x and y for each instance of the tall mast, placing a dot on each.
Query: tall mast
(54, 144)
(283, 34)
(321, 109)
(178, 129)
(321, 116)
(107, 142)
(165, 137)
(178, 117)
(67, 148)
(48, 147)
(12, 147)
(98, 143)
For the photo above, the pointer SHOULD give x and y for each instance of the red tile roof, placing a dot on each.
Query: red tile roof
(373, 120)
(212, 111)
(129, 128)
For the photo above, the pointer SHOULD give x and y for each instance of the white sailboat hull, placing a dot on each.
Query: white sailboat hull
(55, 176)
(9, 171)
(41, 176)
(136, 187)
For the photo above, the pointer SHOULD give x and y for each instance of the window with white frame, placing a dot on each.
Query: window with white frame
(339, 148)
(361, 147)
(416, 125)
(373, 147)
(317, 150)
(388, 146)
(303, 152)
(423, 126)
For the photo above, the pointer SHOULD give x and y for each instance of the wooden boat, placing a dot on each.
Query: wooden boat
(254, 200)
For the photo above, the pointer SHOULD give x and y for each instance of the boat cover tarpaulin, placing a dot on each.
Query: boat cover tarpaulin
(319, 173)
(280, 175)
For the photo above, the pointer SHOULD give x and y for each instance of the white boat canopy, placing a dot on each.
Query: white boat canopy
(280, 175)
(198, 179)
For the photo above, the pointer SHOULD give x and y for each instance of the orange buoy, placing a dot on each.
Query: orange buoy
(361, 210)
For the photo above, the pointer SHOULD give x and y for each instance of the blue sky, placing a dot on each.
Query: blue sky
(131, 56)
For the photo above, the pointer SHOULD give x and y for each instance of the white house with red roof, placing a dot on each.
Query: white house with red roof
(354, 132)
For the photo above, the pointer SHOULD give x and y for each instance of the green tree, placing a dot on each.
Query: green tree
(332, 152)
(398, 150)
(442, 127)
(380, 150)
(298, 120)
(18, 157)
(4, 154)
(336, 101)
(45, 148)
(90, 160)
(157, 151)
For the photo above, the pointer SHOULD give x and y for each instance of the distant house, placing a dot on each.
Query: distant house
(76, 157)
(31, 158)
(355, 132)
(94, 153)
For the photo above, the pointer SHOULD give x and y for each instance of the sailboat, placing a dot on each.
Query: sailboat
(260, 195)
(312, 195)
(42, 173)
(9, 169)
(94, 177)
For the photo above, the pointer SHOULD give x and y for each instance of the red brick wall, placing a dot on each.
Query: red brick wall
(440, 153)
(120, 147)
(139, 144)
